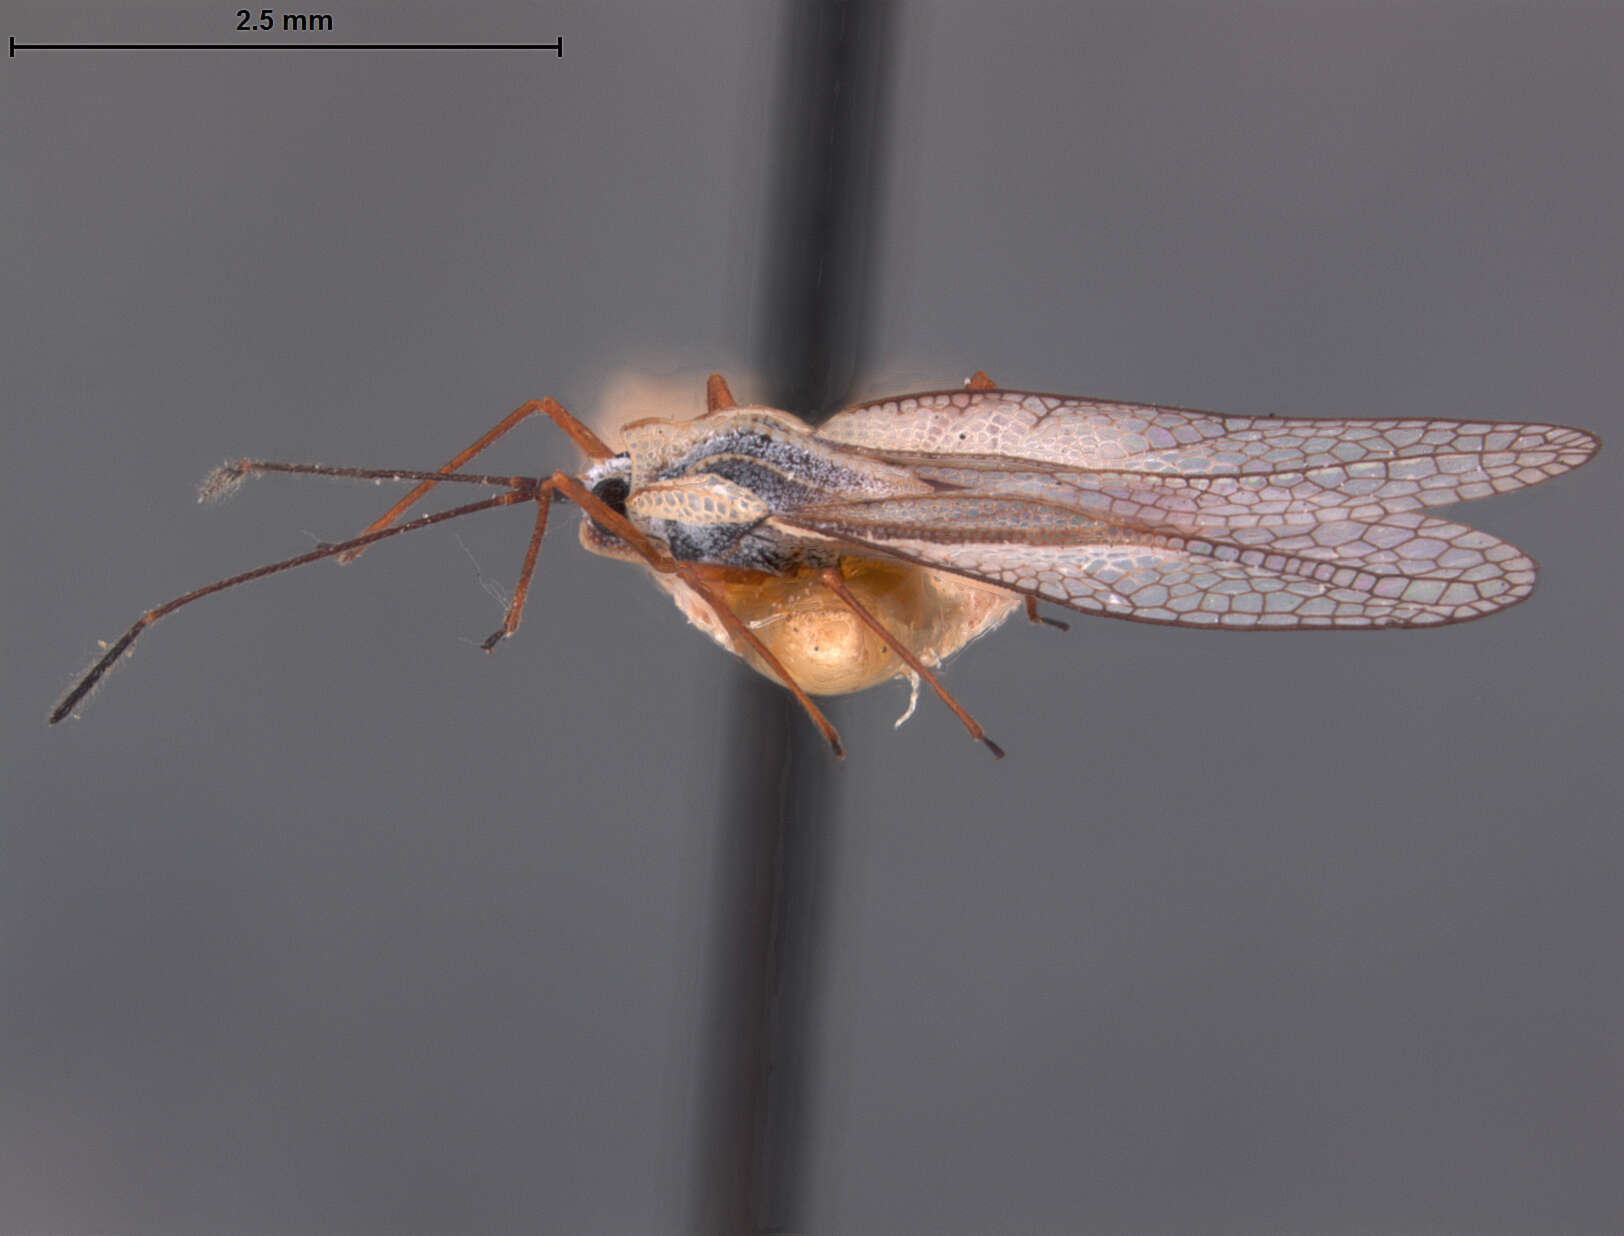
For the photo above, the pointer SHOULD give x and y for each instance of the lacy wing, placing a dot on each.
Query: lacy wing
(1402, 569)
(1198, 470)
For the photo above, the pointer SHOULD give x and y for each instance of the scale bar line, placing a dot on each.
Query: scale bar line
(555, 47)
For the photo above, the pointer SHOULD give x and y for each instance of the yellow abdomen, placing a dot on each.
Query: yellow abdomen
(825, 646)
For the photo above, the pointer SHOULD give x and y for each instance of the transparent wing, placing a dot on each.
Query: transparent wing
(1404, 569)
(1198, 470)
(1163, 514)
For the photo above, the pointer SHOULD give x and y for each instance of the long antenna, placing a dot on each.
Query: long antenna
(92, 676)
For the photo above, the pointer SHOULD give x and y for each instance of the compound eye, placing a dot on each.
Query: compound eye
(612, 491)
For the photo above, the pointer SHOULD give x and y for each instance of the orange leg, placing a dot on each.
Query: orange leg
(717, 397)
(832, 580)
(695, 577)
(1037, 619)
(515, 611)
(588, 441)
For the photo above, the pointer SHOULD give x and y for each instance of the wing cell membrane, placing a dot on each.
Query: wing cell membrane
(1170, 515)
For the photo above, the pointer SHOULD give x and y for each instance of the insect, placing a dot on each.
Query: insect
(884, 541)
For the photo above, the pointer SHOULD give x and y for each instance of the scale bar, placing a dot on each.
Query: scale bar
(555, 47)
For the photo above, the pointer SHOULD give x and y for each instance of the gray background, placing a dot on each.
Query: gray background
(319, 920)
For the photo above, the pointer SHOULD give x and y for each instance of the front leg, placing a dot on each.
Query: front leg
(583, 437)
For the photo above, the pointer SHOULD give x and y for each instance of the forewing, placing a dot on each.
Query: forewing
(1404, 569)
(1162, 514)
(1200, 471)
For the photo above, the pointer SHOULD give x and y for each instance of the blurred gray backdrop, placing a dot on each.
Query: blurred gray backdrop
(321, 921)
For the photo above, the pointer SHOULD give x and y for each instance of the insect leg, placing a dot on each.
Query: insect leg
(694, 577)
(717, 397)
(510, 624)
(120, 646)
(1037, 619)
(583, 437)
(832, 580)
